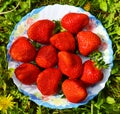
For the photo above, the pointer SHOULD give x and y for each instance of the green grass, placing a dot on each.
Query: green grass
(107, 101)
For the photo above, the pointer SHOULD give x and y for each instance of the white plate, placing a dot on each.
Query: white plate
(56, 12)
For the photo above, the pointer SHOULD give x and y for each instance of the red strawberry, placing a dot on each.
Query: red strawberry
(74, 90)
(46, 57)
(87, 42)
(22, 50)
(91, 74)
(27, 73)
(41, 31)
(48, 80)
(70, 64)
(63, 41)
(74, 22)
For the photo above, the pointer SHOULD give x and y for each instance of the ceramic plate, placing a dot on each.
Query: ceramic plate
(56, 12)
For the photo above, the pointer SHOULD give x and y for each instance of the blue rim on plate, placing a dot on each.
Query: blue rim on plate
(56, 12)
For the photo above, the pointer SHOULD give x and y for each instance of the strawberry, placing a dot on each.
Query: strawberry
(27, 73)
(74, 90)
(46, 57)
(74, 22)
(70, 64)
(88, 42)
(41, 31)
(48, 80)
(63, 41)
(22, 50)
(91, 74)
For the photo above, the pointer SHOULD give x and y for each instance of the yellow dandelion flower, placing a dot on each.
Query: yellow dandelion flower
(87, 6)
(6, 102)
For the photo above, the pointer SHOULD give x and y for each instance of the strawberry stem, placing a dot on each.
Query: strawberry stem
(97, 58)
(58, 27)
(35, 44)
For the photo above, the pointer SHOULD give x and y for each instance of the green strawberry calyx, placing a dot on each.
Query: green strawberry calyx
(58, 27)
(97, 58)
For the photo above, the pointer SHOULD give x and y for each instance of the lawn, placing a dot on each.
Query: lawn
(14, 102)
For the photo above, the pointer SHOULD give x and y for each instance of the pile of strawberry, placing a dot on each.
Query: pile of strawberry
(56, 62)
